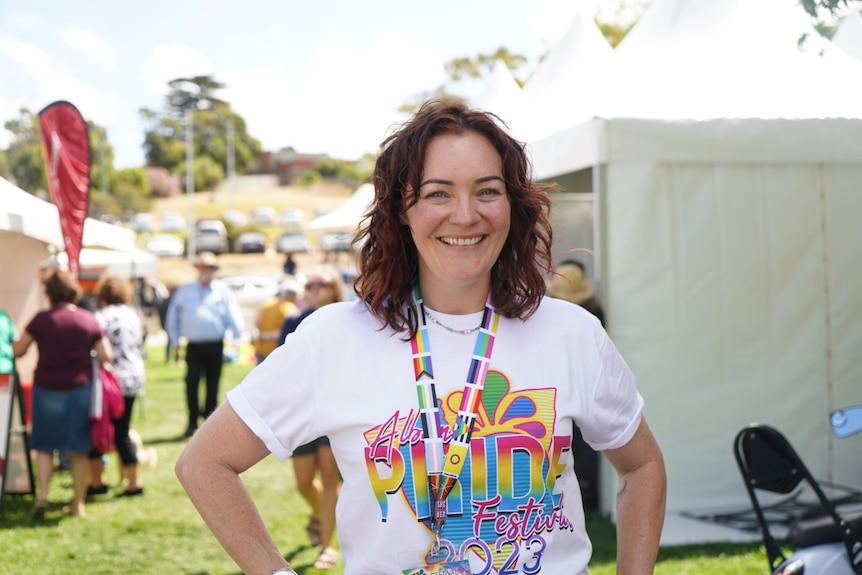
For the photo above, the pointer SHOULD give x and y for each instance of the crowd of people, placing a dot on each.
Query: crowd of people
(443, 472)
(68, 337)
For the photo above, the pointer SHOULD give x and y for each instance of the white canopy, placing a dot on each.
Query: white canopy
(848, 37)
(701, 59)
(29, 233)
(564, 89)
(131, 264)
(347, 216)
(725, 169)
(24, 213)
(502, 94)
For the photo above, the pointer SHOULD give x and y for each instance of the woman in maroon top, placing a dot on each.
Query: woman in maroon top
(65, 335)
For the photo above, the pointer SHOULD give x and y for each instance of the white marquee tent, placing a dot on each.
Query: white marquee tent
(123, 264)
(29, 233)
(346, 216)
(502, 94)
(848, 36)
(726, 173)
(565, 88)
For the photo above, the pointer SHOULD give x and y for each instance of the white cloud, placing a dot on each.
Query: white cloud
(343, 103)
(172, 61)
(44, 84)
(95, 48)
(28, 56)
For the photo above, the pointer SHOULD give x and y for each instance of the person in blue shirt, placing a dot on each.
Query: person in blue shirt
(202, 312)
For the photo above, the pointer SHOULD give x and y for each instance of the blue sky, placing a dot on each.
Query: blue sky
(324, 77)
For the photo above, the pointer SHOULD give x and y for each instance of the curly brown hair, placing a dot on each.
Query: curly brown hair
(113, 290)
(388, 260)
(62, 287)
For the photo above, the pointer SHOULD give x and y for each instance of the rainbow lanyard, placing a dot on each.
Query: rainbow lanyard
(443, 470)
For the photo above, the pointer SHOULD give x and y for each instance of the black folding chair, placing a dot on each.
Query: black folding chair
(768, 462)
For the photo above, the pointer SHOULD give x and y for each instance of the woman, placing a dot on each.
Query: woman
(65, 335)
(439, 474)
(323, 286)
(124, 328)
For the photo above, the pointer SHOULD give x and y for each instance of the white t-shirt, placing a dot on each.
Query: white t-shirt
(517, 503)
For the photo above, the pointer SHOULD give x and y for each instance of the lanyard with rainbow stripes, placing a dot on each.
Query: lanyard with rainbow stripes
(443, 470)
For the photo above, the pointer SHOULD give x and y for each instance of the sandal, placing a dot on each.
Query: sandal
(327, 559)
(132, 492)
(97, 490)
(313, 529)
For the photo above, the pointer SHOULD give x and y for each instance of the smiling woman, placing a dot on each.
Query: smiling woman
(456, 232)
(460, 220)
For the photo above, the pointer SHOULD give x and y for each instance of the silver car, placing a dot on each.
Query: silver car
(210, 236)
(294, 242)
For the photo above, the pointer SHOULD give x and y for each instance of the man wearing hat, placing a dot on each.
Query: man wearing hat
(202, 312)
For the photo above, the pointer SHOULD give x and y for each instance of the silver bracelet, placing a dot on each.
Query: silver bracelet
(284, 571)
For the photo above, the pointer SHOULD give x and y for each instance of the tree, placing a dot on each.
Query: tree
(110, 192)
(350, 173)
(614, 27)
(164, 141)
(824, 14)
(461, 68)
(101, 157)
(26, 164)
(207, 173)
(131, 189)
(4, 164)
(194, 93)
(817, 9)
(212, 120)
(162, 183)
(614, 32)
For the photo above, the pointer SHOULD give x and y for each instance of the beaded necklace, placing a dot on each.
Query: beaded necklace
(451, 329)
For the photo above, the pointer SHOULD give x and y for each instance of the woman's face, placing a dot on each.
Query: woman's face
(318, 292)
(462, 217)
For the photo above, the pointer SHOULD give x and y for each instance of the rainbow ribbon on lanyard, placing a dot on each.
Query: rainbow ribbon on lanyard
(443, 471)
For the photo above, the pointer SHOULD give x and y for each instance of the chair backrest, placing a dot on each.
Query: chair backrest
(768, 462)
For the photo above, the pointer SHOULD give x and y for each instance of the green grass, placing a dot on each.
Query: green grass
(161, 533)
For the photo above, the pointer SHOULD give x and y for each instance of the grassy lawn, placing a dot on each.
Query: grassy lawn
(161, 533)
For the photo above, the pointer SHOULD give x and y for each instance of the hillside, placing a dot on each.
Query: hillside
(322, 197)
(312, 200)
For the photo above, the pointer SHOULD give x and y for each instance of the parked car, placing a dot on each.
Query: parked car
(293, 242)
(143, 222)
(290, 217)
(166, 246)
(210, 236)
(234, 217)
(263, 215)
(172, 222)
(250, 243)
